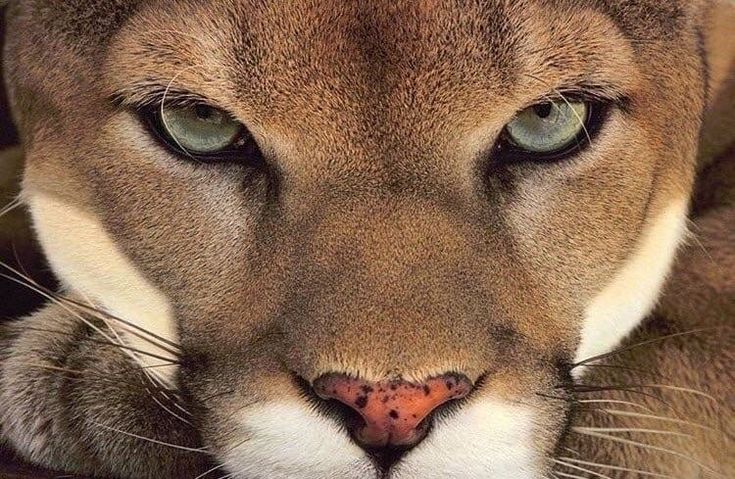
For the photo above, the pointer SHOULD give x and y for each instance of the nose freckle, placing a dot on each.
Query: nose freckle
(393, 413)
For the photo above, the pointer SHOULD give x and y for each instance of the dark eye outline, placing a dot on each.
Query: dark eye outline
(506, 151)
(243, 149)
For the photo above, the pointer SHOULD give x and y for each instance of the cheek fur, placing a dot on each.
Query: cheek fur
(94, 268)
(632, 294)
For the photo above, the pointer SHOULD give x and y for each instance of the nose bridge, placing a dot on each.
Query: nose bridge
(391, 256)
(384, 283)
(392, 235)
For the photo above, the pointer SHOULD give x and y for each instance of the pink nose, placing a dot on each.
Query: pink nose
(394, 412)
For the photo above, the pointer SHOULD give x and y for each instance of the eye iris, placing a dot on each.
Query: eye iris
(548, 128)
(200, 129)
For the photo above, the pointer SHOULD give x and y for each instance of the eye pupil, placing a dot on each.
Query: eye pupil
(543, 110)
(208, 114)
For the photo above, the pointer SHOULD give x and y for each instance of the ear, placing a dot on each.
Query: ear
(718, 30)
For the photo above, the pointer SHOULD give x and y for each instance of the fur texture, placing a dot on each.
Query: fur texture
(380, 239)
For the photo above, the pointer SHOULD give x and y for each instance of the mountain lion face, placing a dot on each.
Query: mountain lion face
(368, 239)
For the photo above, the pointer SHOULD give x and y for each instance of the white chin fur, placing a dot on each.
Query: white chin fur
(289, 440)
(487, 439)
(94, 268)
(633, 292)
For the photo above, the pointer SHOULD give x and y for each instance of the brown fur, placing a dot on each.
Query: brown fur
(382, 240)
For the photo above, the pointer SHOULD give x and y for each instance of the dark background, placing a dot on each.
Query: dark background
(7, 132)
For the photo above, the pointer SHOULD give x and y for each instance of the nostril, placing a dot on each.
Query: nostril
(344, 414)
(393, 414)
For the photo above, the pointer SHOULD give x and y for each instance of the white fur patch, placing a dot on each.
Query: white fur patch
(633, 293)
(486, 439)
(289, 440)
(90, 264)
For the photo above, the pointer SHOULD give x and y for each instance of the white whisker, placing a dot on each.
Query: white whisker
(646, 446)
(616, 468)
(580, 468)
(615, 412)
(163, 111)
(613, 401)
(162, 406)
(16, 203)
(636, 430)
(571, 476)
(154, 441)
(200, 476)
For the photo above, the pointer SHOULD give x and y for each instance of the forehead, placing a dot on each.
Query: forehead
(337, 55)
(93, 22)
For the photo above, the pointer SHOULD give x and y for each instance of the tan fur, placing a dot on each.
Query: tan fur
(382, 241)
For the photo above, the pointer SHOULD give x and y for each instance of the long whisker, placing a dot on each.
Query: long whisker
(76, 375)
(616, 468)
(16, 203)
(107, 343)
(681, 389)
(646, 446)
(580, 468)
(154, 378)
(569, 449)
(69, 310)
(642, 344)
(583, 389)
(147, 334)
(613, 401)
(162, 406)
(200, 476)
(154, 441)
(617, 366)
(571, 476)
(46, 292)
(636, 430)
(616, 412)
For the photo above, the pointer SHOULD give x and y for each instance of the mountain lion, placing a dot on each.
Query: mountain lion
(375, 239)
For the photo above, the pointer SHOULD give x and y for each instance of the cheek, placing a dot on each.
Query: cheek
(187, 228)
(634, 289)
(94, 269)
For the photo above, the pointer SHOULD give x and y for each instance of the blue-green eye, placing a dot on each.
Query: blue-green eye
(200, 129)
(549, 128)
